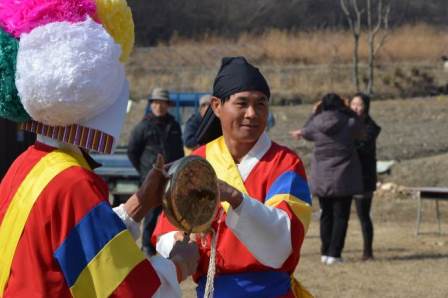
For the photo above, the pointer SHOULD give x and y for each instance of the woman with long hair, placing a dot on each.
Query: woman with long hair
(366, 148)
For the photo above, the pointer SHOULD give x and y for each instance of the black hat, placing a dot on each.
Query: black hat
(237, 75)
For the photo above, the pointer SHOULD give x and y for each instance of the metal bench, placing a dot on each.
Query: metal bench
(121, 176)
(429, 193)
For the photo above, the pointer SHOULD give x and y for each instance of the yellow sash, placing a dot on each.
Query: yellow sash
(298, 290)
(21, 204)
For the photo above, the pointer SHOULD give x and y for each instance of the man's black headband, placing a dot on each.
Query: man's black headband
(238, 75)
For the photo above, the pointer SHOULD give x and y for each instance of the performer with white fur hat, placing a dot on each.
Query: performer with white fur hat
(62, 77)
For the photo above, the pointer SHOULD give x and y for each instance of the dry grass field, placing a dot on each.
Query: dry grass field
(407, 43)
(298, 65)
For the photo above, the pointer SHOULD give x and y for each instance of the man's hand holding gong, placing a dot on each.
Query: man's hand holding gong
(228, 193)
(150, 193)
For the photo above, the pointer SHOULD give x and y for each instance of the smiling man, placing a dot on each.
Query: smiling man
(266, 203)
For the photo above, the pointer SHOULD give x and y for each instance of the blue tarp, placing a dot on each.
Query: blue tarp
(184, 99)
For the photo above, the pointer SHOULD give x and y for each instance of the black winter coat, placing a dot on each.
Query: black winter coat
(151, 136)
(335, 167)
(366, 148)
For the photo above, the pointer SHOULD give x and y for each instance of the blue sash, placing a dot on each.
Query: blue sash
(268, 284)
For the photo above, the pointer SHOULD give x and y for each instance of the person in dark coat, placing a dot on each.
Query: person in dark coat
(366, 148)
(192, 124)
(157, 133)
(335, 169)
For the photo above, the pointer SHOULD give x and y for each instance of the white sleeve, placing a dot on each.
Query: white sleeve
(264, 230)
(166, 270)
(131, 225)
(165, 244)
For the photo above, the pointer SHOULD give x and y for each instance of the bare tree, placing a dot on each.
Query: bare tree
(382, 25)
(354, 18)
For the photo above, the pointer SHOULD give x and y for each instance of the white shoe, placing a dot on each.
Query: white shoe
(333, 260)
(323, 259)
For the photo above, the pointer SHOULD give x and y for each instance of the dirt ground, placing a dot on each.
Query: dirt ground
(415, 134)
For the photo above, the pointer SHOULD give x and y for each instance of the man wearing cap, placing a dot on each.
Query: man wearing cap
(266, 203)
(192, 124)
(157, 133)
(59, 237)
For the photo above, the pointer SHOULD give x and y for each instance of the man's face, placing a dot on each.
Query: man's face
(159, 107)
(244, 116)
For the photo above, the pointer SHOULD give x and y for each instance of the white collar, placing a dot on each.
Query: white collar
(250, 160)
(59, 145)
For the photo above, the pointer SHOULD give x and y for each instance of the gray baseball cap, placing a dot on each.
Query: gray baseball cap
(160, 94)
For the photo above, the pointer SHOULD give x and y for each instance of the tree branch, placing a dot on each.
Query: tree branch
(369, 16)
(380, 18)
(358, 16)
(385, 29)
(348, 15)
(344, 8)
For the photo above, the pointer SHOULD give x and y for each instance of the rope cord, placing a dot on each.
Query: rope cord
(209, 286)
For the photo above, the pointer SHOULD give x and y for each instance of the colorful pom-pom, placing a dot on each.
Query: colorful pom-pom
(116, 17)
(22, 16)
(82, 78)
(10, 106)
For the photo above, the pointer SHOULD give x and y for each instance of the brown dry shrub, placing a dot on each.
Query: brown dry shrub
(408, 43)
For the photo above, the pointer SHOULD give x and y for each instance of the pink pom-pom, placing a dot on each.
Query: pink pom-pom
(22, 16)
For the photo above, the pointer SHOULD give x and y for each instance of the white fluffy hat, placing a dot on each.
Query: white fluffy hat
(68, 73)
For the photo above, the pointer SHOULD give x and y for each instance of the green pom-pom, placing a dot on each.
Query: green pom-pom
(10, 106)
